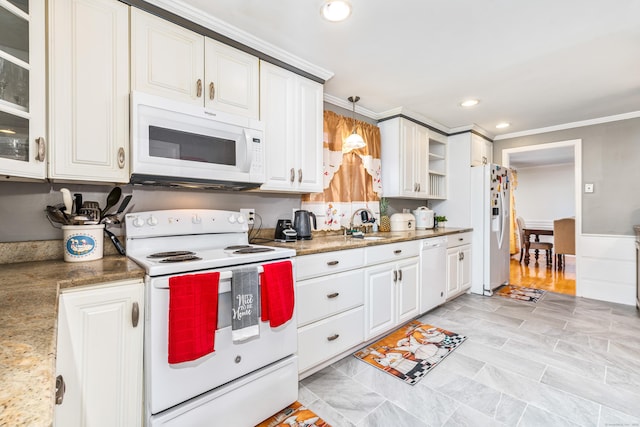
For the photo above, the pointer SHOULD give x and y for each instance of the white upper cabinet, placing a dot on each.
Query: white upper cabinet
(481, 151)
(291, 108)
(22, 89)
(413, 160)
(176, 63)
(89, 90)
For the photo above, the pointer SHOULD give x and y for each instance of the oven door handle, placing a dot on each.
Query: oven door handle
(225, 276)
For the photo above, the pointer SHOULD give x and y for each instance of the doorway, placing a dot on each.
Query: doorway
(535, 158)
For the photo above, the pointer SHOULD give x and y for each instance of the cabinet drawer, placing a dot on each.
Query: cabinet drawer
(322, 340)
(328, 262)
(459, 239)
(392, 251)
(328, 295)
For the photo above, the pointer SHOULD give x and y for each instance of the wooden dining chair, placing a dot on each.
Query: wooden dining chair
(564, 238)
(547, 247)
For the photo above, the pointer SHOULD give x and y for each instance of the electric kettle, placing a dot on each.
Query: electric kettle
(302, 224)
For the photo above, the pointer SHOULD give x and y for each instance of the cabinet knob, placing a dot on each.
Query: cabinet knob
(333, 337)
(397, 251)
(121, 158)
(333, 295)
(212, 91)
(61, 388)
(199, 88)
(333, 262)
(41, 149)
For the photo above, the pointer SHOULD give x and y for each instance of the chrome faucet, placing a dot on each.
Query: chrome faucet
(357, 211)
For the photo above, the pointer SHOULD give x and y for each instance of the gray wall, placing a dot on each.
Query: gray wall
(611, 161)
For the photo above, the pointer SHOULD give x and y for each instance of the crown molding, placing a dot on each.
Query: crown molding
(582, 123)
(219, 26)
(343, 103)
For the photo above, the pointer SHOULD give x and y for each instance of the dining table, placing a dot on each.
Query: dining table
(536, 232)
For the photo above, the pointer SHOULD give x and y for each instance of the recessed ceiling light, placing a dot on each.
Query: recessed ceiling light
(336, 10)
(469, 103)
(503, 125)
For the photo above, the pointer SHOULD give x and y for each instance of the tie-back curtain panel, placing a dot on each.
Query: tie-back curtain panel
(351, 180)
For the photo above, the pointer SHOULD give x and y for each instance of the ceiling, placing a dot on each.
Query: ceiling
(534, 64)
(542, 157)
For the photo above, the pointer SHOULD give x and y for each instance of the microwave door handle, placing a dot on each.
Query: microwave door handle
(247, 153)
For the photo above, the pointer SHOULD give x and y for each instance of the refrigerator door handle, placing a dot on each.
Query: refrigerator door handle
(503, 219)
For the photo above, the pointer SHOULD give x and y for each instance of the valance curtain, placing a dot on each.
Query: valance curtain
(351, 180)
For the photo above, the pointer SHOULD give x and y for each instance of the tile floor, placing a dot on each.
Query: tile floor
(564, 361)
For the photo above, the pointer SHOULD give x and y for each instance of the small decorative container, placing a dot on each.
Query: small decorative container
(83, 242)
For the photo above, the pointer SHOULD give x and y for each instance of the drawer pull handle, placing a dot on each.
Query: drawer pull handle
(460, 239)
(333, 262)
(397, 251)
(333, 337)
(333, 295)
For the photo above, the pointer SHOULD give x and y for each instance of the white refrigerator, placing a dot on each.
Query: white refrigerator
(490, 219)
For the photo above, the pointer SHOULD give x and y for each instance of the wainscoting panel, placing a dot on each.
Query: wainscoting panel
(606, 268)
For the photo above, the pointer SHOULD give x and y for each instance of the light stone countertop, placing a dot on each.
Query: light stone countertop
(28, 315)
(29, 293)
(336, 242)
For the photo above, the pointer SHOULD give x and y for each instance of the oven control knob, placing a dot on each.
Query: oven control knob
(241, 219)
(232, 219)
(138, 222)
(152, 220)
(196, 219)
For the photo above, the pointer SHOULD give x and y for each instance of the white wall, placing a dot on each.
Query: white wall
(545, 193)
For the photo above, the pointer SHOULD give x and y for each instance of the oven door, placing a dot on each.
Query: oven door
(168, 385)
(171, 139)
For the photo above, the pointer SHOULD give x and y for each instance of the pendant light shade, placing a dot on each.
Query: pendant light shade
(353, 141)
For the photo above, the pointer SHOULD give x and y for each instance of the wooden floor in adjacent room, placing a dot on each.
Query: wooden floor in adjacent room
(541, 276)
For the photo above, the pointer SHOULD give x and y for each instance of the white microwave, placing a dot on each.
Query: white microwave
(179, 144)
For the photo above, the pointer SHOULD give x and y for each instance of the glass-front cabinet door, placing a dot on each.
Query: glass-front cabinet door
(22, 89)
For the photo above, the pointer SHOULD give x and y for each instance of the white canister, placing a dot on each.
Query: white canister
(424, 218)
(83, 242)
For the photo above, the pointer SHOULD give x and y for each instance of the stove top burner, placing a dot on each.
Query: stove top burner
(170, 254)
(252, 250)
(181, 258)
(236, 247)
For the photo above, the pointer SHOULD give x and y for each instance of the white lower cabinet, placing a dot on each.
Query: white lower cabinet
(458, 264)
(391, 293)
(99, 355)
(329, 305)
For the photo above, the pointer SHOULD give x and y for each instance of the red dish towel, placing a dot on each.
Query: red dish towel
(277, 298)
(193, 316)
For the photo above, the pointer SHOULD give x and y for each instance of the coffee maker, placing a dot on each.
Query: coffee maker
(285, 231)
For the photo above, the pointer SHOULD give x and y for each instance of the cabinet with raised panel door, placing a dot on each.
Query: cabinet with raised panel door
(458, 264)
(291, 108)
(89, 90)
(99, 355)
(481, 150)
(22, 90)
(413, 160)
(391, 286)
(171, 61)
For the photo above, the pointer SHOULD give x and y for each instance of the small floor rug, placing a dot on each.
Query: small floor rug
(521, 293)
(294, 415)
(410, 352)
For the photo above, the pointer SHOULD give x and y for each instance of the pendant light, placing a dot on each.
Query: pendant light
(354, 140)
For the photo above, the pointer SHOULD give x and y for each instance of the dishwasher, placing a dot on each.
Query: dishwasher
(433, 258)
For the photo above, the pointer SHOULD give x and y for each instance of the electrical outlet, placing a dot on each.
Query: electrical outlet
(249, 214)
